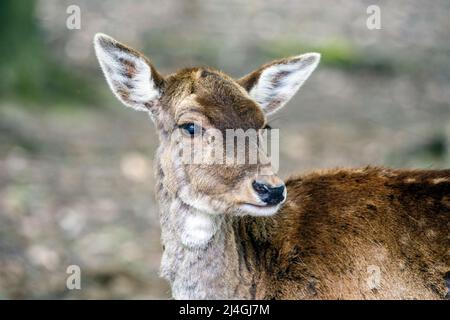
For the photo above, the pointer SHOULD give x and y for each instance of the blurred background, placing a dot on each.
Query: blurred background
(76, 179)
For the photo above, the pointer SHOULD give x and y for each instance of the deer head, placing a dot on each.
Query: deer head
(193, 105)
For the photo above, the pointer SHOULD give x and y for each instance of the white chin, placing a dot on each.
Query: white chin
(259, 211)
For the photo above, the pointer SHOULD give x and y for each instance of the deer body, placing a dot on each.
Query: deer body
(236, 231)
(314, 250)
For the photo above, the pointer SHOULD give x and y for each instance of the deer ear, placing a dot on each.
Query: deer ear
(274, 84)
(131, 77)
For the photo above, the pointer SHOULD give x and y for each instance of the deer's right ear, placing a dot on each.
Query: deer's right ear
(131, 77)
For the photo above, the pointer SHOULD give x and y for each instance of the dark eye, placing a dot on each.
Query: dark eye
(190, 128)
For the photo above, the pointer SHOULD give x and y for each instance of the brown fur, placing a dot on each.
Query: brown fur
(335, 224)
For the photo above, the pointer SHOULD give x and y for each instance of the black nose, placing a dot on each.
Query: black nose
(269, 194)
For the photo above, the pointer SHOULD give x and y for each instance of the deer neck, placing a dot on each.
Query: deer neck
(203, 254)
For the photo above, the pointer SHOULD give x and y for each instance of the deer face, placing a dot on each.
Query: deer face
(196, 112)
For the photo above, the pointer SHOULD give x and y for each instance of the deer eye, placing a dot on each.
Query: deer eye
(191, 129)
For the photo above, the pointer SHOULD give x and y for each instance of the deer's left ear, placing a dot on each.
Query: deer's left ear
(132, 78)
(274, 84)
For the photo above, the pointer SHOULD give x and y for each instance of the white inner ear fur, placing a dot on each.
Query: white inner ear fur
(128, 75)
(279, 82)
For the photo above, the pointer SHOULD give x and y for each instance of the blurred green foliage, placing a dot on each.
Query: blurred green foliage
(30, 73)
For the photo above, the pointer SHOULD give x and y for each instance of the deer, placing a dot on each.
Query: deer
(238, 231)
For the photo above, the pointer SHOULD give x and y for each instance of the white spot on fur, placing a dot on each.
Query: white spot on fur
(387, 174)
(440, 180)
(410, 180)
(199, 228)
(140, 88)
(430, 233)
(278, 83)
